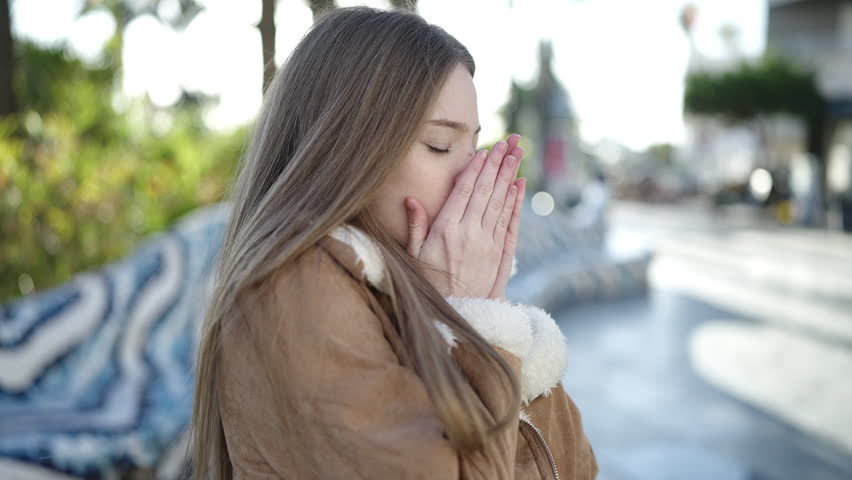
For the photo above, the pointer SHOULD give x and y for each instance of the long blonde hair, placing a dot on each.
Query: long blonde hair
(344, 107)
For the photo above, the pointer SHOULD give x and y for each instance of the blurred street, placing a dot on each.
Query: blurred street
(735, 366)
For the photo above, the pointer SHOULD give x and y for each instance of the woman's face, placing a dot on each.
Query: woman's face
(443, 147)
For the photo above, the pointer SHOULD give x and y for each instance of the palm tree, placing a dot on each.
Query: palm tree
(7, 63)
(267, 40)
(410, 5)
(267, 28)
(319, 6)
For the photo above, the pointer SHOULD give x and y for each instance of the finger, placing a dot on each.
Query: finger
(510, 243)
(515, 151)
(502, 224)
(504, 272)
(506, 260)
(512, 142)
(513, 148)
(518, 153)
(498, 197)
(453, 209)
(485, 184)
(417, 219)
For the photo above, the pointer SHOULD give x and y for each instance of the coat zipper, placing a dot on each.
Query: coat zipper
(546, 448)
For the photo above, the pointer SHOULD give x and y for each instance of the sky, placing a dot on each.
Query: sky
(622, 61)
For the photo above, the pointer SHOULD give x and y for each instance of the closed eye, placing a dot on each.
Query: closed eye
(437, 150)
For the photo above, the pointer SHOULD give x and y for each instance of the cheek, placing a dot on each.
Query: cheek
(428, 178)
(432, 187)
(426, 181)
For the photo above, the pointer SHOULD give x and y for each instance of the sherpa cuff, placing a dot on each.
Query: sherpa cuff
(526, 331)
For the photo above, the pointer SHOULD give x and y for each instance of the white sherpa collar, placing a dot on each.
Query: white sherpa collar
(371, 260)
(527, 331)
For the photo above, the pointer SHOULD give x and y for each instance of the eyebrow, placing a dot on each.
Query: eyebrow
(443, 122)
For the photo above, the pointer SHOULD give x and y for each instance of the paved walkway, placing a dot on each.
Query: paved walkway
(738, 365)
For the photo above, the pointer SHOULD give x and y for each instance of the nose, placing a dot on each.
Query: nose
(462, 165)
(468, 157)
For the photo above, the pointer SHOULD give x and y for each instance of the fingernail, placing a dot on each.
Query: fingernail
(501, 146)
(409, 204)
(510, 161)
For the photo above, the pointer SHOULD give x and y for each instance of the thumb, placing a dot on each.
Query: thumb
(416, 226)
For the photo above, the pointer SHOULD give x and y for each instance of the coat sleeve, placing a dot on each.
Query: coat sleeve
(547, 404)
(527, 331)
(334, 400)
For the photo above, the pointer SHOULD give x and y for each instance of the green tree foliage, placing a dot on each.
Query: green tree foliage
(773, 85)
(82, 184)
(49, 81)
(770, 86)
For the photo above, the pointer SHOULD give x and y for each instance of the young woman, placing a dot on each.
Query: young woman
(349, 337)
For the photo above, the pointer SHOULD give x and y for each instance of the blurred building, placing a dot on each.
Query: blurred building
(544, 113)
(813, 33)
(721, 154)
(818, 33)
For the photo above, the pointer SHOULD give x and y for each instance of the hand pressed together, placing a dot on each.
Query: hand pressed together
(474, 236)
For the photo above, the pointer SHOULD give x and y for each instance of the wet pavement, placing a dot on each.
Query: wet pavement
(736, 365)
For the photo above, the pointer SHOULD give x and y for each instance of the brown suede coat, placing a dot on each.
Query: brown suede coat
(315, 383)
